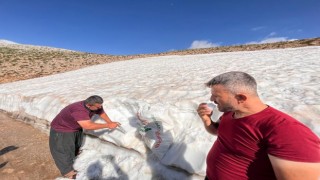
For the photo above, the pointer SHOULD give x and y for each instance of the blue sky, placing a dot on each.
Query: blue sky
(123, 27)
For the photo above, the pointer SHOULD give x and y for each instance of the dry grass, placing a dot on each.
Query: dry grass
(20, 62)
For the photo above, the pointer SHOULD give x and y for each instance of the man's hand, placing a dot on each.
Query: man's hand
(113, 125)
(205, 112)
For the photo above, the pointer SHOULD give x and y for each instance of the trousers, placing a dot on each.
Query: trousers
(64, 147)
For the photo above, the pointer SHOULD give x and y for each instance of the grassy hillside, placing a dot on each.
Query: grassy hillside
(19, 62)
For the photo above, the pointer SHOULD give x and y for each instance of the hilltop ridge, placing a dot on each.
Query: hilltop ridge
(20, 62)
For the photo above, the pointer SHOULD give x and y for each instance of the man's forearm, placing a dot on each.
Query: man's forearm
(88, 125)
(95, 126)
(105, 117)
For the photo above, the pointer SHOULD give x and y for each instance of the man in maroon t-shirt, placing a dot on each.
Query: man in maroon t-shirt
(255, 141)
(66, 131)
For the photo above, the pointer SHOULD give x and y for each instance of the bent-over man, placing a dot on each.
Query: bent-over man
(66, 131)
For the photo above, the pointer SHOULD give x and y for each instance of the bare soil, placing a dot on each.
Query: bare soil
(24, 152)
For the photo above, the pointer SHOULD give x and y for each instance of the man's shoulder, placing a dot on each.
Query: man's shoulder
(277, 120)
(272, 115)
(76, 104)
(271, 119)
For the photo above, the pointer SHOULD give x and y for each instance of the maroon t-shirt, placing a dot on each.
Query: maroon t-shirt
(242, 147)
(66, 120)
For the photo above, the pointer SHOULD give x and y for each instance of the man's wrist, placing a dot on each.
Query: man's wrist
(215, 124)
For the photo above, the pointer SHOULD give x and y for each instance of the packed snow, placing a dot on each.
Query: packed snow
(168, 141)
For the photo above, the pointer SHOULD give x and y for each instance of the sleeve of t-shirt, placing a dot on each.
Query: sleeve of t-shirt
(294, 141)
(80, 115)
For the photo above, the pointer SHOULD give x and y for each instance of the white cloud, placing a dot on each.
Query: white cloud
(271, 40)
(202, 44)
(171, 50)
(257, 28)
(272, 34)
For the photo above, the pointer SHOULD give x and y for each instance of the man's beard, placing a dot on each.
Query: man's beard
(227, 107)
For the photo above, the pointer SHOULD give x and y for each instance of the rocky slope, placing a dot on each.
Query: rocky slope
(19, 62)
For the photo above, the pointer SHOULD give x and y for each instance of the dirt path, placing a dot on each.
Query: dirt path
(24, 152)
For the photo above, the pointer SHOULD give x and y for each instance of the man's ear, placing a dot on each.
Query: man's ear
(241, 97)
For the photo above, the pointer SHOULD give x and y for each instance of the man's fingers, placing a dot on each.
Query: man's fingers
(203, 111)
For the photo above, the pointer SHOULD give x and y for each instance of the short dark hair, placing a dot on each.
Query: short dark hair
(235, 82)
(94, 100)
